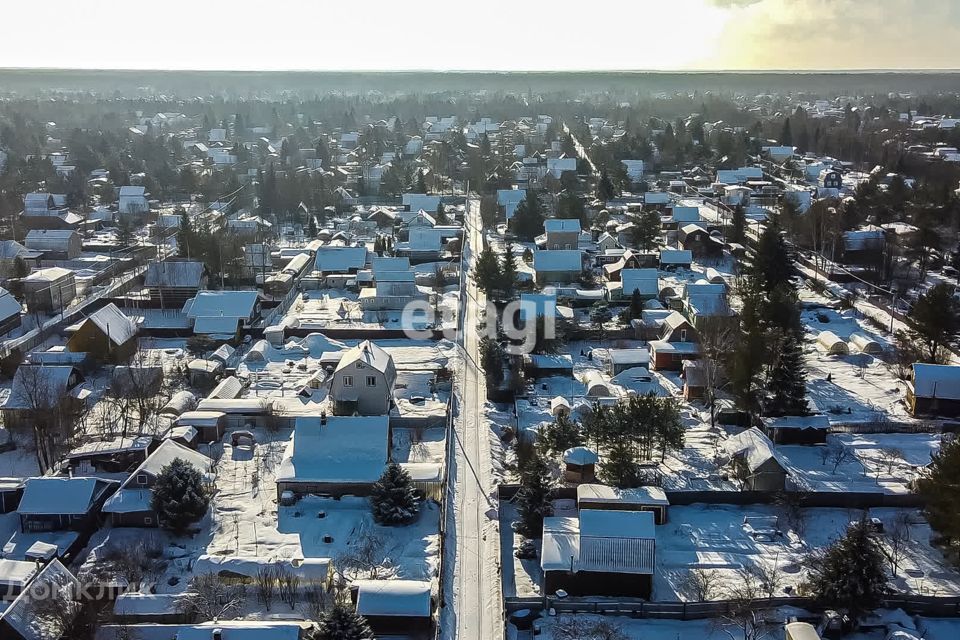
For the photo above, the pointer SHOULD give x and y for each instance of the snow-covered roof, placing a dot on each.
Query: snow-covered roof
(753, 446)
(601, 493)
(174, 274)
(309, 570)
(227, 389)
(114, 324)
(676, 256)
(132, 191)
(686, 214)
(936, 381)
(146, 604)
(616, 541)
(341, 259)
(644, 281)
(38, 386)
(815, 421)
(222, 304)
(580, 456)
(370, 354)
(555, 225)
(62, 496)
(639, 355)
(345, 449)
(23, 615)
(9, 306)
(561, 544)
(241, 630)
(558, 260)
(50, 274)
(15, 574)
(393, 598)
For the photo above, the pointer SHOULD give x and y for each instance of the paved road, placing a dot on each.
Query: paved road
(473, 575)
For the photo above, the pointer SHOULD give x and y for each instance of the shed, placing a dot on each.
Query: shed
(934, 389)
(604, 498)
(865, 344)
(107, 334)
(755, 461)
(580, 465)
(832, 344)
(623, 359)
(179, 403)
(210, 425)
(395, 606)
(559, 406)
(596, 385)
(797, 429)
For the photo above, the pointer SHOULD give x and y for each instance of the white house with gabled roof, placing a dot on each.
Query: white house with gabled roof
(363, 381)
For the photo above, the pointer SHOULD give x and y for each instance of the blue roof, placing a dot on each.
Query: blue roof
(558, 260)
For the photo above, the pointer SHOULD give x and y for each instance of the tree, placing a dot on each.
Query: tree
(898, 541)
(342, 623)
(393, 497)
(558, 436)
(179, 497)
(210, 598)
(749, 353)
(772, 266)
(605, 189)
(486, 272)
(788, 381)
(508, 271)
(570, 205)
(700, 585)
(938, 488)
(533, 498)
(491, 360)
(850, 573)
(646, 231)
(600, 315)
(936, 322)
(738, 229)
(421, 186)
(527, 221)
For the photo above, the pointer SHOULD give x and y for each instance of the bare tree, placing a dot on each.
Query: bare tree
(744, 617)
(576, 628)
(898, 541)
(46, 411)
(366, 554)
(289, 586)
(318, 600)
(791, 509)
(769, 577)
(211, 598)
(839, 454)
(889, 456)
(700, 585)
(142, 382)
(716, 342)
(266, 583)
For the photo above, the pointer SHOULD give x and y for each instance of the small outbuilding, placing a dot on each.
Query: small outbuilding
(604, 498)
(865, 344)
(579, 465)
(402, 607)
(832, 344)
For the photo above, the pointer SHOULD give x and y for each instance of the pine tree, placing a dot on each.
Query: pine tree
(527, 221)
(738, 229)
(788, 380)
(533, 498)
(936, 321)
(179, 497)
(646, 231)
(772, 266)
(421, 185)
(605, 189)
(393, 497)
(851, 573)
(562, 434)
(938, 488)
(342, 623)
(486, 273)
(508, 271)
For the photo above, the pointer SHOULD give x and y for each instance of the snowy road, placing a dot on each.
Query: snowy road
(472, 587)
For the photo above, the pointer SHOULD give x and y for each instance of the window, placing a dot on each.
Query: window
(371, 381)
(683, 335)
(141, 478)
(359, 365)
(348, 381)
(148, 521)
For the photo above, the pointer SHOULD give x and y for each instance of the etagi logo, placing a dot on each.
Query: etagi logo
(518, 321)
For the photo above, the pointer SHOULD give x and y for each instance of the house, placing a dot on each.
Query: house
(12, 252)
(222, 313)
(864, 246)
(829, 179)
(934, 389)
(557, 166)
(10, 311)
(107, 334)
(604, 498)
(643, 281)
(607, 242)
(50, 289)
(672, 259)
(634, 169)
(391, 290)
(420, 201)
(55, 244)
(117, 455)
(560, 266)
(810, 429)
(11, 490)
(395, 607)
(63, 504)
(132, 200)
(580, 464)
(130, 505)
(172, 282)
(52, 391)
(53, 585)
(153, 608)
(335, 455)
(704, 299)
(601, 553)
(623, 359)
(44, 204)
(363, 381)
(421, 220)
(682, 216)
(342, 260)
(547, 365)
(613, 271)
(669, 356)
(755, 462)
(562, 233)
(676, 328)
(699, 241)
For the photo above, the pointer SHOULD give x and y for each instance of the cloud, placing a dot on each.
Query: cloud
(726, 4)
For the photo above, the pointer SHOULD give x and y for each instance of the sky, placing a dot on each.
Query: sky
(482, 35)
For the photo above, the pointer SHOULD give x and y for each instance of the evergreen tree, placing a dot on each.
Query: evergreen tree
(851, 573)
(938, 488)
(558, 436)
(788, 380)
(179, 497)
(646, 231)
(491, 360)
(508, 271)
(342, 623)
(605, 190)
(570, 206)
(635, 310)
(533, 498)
(600, 315)
(748, 356)
(772, 266)
(936, 322)
(738, 228)
(421, 186)
(527, 221)
(486, 273)
(441, 217)
(786, 136)
(393, 497)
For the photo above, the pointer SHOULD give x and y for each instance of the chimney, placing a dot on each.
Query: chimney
(217, 634)
(323, 418)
